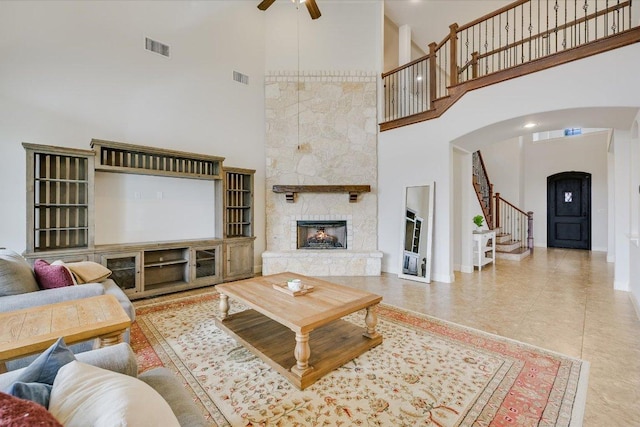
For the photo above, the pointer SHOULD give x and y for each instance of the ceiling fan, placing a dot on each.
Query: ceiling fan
(311, 6)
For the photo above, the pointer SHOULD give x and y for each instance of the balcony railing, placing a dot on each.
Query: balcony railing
(523, 32)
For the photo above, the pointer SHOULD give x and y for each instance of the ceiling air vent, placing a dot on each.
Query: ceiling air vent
(156, 46)
(241, 78)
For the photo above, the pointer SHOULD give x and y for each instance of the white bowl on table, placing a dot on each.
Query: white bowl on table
(294, 285)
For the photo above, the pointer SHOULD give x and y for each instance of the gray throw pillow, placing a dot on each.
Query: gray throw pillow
(16, 275)
(35, 381)
(35, 392)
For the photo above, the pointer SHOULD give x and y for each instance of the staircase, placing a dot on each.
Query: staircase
(523, 37)
(514, 227)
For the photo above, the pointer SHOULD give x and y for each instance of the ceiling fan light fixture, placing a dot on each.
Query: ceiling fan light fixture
(312, 7)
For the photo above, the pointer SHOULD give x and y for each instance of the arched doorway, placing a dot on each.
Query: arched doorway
(569, 210)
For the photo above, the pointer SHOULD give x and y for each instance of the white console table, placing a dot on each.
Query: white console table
(483, 243)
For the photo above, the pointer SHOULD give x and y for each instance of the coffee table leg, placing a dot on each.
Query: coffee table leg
(371, 320)
(302, 353)
(109, 340)
(224, 306)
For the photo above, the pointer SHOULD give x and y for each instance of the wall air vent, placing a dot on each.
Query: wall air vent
(156, 46)
(241, 78)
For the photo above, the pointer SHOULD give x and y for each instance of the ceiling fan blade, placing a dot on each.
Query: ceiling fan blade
(313, 9)
(264, 4)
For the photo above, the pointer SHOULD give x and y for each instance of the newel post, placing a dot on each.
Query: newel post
(492, 208)
(497, 210)
(453, 53)
(432, 73)
(474, 65)
(530, 231)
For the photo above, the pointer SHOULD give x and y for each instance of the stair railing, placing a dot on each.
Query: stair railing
(484, 188)
(520, 33)
(514, 221)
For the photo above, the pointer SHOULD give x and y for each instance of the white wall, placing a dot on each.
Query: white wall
(413, 152)
(72, 71)
(634, 202)
(583, 153)
(502, 160)
(347, 37)
(433, 17)
(410, 158)
(622, 207)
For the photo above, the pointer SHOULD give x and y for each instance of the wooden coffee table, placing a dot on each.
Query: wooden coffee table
(278, 327)
(33, 330)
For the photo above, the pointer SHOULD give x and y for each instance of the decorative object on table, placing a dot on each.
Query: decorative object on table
(482, 377)
(294, 284)
(478, 220)
(286, 288)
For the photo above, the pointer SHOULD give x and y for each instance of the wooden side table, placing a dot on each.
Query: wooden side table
(33, 330)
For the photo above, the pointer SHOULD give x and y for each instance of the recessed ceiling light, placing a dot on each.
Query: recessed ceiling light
(530, 125)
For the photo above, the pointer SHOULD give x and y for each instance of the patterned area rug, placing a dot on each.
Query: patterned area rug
(426, 372)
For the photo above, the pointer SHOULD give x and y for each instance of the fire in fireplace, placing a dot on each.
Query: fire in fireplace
(322, 234)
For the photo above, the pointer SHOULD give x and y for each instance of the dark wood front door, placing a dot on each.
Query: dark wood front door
(569, 210)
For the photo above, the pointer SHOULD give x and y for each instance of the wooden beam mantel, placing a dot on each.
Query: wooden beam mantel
(291, 190)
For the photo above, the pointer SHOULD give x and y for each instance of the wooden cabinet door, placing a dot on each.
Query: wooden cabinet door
(238, 260)
(205, 265)
(125, 270)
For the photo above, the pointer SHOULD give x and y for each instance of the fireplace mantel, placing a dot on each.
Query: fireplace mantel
(291, 190)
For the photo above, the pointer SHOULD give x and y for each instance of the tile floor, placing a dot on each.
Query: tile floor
(562, 300)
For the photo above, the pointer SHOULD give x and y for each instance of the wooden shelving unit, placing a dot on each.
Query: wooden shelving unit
(60, 216)
(59, 198)
(127, 158)
(238, 192)
(154, 268)
(238, 220)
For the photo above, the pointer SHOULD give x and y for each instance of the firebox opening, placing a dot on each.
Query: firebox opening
(322, 234)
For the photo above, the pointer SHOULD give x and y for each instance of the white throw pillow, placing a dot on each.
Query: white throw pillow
(84, 395)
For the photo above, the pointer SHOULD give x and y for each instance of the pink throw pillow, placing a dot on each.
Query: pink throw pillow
(16, 412)
(51, 276)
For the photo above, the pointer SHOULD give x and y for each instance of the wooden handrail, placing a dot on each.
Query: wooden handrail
(407, 65)
(613, 41)
(448, 80)
(556, 29)
(493, 14)
(510, 204)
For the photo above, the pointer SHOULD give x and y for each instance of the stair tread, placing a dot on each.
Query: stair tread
(517, 251)
(509, 242)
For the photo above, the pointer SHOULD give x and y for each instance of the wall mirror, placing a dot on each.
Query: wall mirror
(417, 232)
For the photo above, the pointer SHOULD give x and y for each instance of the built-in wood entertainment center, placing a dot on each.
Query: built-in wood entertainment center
(61, 216)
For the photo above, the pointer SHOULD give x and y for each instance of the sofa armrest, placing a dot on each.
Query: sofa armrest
(110, 288)
(118, 358)
(186, 411)
(50, 296)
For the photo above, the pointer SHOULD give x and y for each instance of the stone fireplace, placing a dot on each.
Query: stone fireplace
(329, 138)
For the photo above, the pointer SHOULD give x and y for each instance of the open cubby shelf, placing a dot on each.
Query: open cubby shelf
(119, 157)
